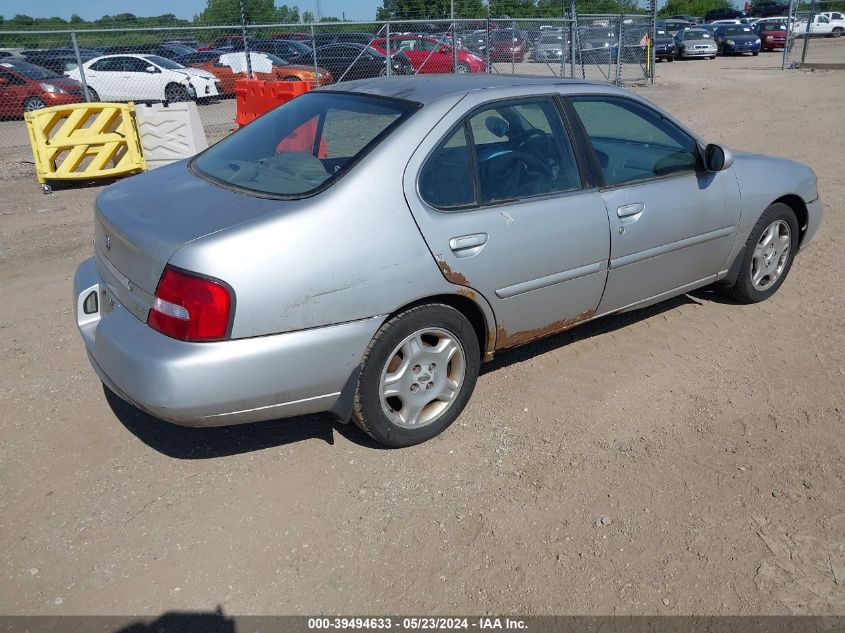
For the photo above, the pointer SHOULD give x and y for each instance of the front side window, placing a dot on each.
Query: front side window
(302, 146)
(632, 142)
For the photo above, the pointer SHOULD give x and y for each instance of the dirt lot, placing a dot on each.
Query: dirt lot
(709, 436)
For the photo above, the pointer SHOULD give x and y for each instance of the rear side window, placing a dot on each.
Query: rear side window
(302, 146)
(632, 142)
(513, 150)
(447, 181)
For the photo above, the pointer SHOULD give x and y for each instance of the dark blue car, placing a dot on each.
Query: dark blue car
(736, 39)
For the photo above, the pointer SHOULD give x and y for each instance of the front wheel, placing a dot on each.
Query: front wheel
(417, 375)
(768, 255)
(92, 94)
(462, 68)
(33, 103)
(175, 93)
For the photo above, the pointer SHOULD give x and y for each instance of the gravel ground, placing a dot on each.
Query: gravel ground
(687, 458)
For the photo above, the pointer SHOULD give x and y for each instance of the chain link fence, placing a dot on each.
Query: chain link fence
(816, 33)
(40, 68)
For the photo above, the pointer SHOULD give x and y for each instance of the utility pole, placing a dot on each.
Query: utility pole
(318, 6)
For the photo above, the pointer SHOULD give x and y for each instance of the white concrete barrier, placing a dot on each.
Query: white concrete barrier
(170, 133)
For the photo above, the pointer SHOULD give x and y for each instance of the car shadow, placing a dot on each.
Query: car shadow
(182, 622)
(181, 442)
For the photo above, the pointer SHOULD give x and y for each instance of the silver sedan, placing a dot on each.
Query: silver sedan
(362, 249)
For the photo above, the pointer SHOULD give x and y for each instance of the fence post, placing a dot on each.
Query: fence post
(651, 53)
(573, 34)
(454, 43)
(246, 45)
(619, 51)
(79, 65)
(787, 48)
(487, 48)
(513, 37)
(807, 32)
(387, 45)
(314, 50)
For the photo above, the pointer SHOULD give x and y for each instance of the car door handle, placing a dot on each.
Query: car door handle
(627, 210)
(468, 245)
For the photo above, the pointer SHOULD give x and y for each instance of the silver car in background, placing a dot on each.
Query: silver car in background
(363, 248)
(695, 42)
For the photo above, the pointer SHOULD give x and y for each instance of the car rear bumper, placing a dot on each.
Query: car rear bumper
(221, 383)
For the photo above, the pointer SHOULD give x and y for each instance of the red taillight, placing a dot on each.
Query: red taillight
(190, 308)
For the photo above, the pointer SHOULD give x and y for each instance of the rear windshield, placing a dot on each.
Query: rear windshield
(304, 145)
(775, 26)
(551, 38)
(737, 30)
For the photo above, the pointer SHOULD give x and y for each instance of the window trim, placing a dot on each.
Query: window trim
(553, 98)
(602, 185)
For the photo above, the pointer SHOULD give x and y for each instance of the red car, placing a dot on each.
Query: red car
(772, 35)
(25, 87)
(430, 55)
(507, 45)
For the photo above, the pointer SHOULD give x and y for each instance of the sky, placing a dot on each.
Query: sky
(92, 9)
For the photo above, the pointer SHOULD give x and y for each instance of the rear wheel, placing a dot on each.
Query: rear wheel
(768, 255)
(93, 94)
(755, 53)
(462, 68)
(417, 375)
(33, 103)
(837, 32)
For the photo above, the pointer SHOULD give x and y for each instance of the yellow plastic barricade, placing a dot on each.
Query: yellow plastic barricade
(84, 141)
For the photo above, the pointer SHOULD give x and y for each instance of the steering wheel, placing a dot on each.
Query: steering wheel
(532, 161)
(533, 132)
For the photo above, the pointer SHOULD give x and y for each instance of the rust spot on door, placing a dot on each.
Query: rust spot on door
(451, 275)
(504, 340)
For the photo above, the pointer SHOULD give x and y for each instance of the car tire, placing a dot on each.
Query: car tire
(93, 94)
(670, 59)
(407, 391)
(765, 265)
(174, 93)
(755, 53)
(31, 104)
(462, 69)
(837, 32)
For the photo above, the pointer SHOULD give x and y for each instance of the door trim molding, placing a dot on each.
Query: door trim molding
(550, 280)
(633, 258)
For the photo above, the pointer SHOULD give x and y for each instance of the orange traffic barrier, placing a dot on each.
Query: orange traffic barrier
(255, 97)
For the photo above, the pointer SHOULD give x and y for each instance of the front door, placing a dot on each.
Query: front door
(501, 204)
(672, 224)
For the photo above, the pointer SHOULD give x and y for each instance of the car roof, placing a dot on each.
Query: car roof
(430, 88)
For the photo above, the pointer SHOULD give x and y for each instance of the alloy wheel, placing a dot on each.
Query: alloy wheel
(771, 255)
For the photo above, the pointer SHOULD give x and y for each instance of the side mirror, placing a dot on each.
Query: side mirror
(3, 81)
(151, 69)
(717, 157)
(444, 49)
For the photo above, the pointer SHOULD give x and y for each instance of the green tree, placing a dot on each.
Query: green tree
(308, 17)
(288, 15)
(76, 19)
(692, 7)
(229, 12)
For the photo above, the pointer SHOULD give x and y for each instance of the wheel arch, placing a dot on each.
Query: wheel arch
(799, 207)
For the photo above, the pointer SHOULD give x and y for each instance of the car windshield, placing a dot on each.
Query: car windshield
(696, 34)
(776, 26)
(180, 49)
(500, 36)
(737, 30)
(304, 145)
(30, 71)
(551, 38)
(275, 59)
(163, 62)
(299, 47)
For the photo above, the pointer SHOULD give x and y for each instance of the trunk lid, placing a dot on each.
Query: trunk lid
(142, 221)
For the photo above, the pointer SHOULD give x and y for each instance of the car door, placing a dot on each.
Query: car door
(142, 84)
(506, 209)
(104, 76)
(672, 224)
(437, 59)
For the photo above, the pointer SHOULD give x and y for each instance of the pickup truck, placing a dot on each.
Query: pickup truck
(820, 25)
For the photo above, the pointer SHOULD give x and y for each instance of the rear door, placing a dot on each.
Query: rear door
(507, 210)
(106, 77)
(672, 224)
